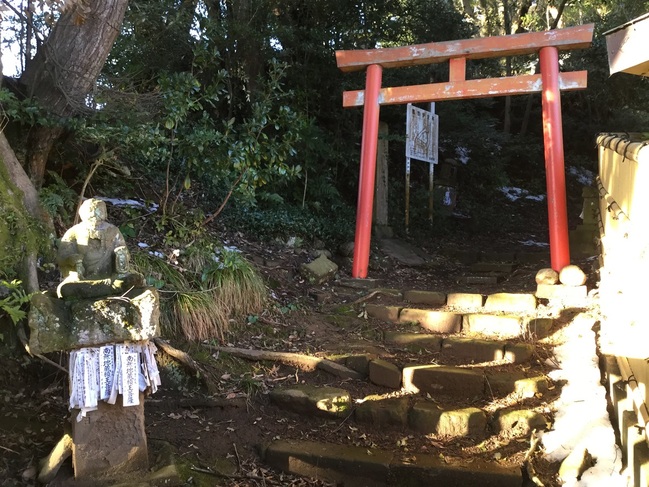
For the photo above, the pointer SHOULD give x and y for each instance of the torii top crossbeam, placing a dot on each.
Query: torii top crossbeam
(550, 83)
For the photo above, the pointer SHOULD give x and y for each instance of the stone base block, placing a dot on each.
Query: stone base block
(384, 373)
(431, 298)
(473, 350)
(561, 291)
(519, 422)
(435, 321)
(385, 313)
(58, 324)
(501, 326)
(312, 400)
(380, 411)
(462, 422)
(414, 341)
(319, 271)
(435, 379)
(465, 300)
(510, 303)
(110, 441)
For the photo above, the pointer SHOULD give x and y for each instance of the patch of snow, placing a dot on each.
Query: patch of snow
(462, 154)
(157, 254)
(128, 203)
(584, 176)
(461, 215)
(581, 419)
(533, 243)
(537, 197)
(448, 201)
(513, 193)
(142, 245)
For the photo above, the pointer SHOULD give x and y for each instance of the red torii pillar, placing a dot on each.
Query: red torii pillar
(549, 83)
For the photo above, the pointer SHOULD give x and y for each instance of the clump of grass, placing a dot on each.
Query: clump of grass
(238, 286)
(199, 298)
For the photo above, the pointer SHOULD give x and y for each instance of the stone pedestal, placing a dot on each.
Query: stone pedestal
(110, 441)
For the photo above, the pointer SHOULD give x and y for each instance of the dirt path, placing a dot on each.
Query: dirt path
(216, 438)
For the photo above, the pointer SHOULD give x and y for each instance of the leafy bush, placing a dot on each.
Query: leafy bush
(333, 225)
(58, 198)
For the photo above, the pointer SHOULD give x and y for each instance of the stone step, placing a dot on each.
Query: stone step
(460, 382)
(498, 302)
(471, 350)
(447, 307)
(487, 324)
(353, 465)
(446, 380)
(469, 257)
(423, 414)
(469, 383)
(312, 400)
(495, 267)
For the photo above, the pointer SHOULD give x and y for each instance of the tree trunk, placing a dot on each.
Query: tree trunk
(40, 141)
(65, 69)
(27, 198)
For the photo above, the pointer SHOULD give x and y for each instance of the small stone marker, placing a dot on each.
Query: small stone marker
(319, 271)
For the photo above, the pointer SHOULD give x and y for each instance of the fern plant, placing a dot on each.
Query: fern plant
(12, 303)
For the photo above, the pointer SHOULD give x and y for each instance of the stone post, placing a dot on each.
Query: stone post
(381, 226)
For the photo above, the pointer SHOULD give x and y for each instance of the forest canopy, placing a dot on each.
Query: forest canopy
(240, 101)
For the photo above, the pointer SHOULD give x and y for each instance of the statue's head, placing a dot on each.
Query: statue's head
(93, 211)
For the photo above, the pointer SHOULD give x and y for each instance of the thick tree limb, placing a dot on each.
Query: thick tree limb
(306, 362)
(29, 198)
(65, 69)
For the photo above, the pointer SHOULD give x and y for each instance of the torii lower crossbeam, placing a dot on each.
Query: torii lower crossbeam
(549, 83)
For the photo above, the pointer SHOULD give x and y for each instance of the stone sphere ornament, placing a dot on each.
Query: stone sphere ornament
(572, 275)
(547, 276)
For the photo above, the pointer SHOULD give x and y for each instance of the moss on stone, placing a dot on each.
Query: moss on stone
(20, 233)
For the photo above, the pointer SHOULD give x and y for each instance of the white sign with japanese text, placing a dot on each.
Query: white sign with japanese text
(422, 134)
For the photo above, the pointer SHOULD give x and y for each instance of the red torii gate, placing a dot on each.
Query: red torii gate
(550, 83)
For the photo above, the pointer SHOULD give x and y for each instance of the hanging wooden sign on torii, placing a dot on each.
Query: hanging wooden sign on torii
(550, 83)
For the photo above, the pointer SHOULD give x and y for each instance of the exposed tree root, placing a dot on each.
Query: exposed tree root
(186, 359)
(527, 462)
(305, 362)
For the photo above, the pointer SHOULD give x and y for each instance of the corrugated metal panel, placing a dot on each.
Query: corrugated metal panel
(627, 47)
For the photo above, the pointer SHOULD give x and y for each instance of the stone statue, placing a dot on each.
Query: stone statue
(105, 316)
(100, 300)
(93, 256)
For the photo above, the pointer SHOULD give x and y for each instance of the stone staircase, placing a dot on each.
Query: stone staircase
(459, 367)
